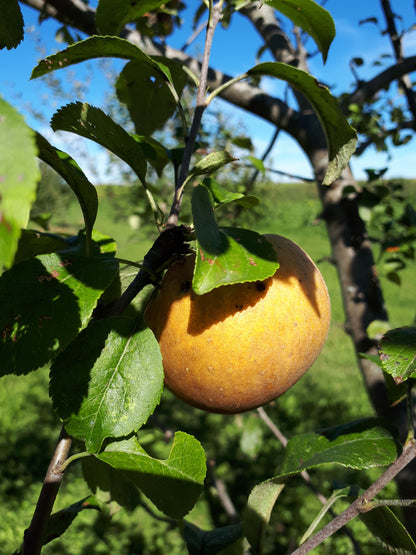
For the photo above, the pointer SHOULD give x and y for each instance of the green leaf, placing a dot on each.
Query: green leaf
(92, 123)
(210, 542)
(108, 381)
(174, 484)
(257, 513)
(361, 444)
(11, 24)
(19, 175)
(95, 47)
(32, 243)
(226, 255)
(377, 328)
(311, 17)
(341, 137)
(112, 15)
(69, 170)
(396, 392)
(398, 353)
(251, 440)
(211, 163)
(221, 196)
(388, 530)
(257, 164)
(108, 484)
(45, 302)
(155, 153)
(149, 101)
(243, 142)
(336, 494)
(60, 521)
(101, 244)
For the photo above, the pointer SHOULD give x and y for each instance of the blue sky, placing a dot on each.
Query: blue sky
(233, 52)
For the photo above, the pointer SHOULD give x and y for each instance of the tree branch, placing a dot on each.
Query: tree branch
(367, 89)
(242, 94)
(359, 505)
(35, 534)
(396, 42)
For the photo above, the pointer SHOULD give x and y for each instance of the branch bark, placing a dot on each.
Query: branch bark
(35, 534)
(359, 505)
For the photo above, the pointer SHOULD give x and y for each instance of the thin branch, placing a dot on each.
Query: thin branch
(224, 498)
(245, 96)
(242, 94)
(396, 42)
(194, 35)
(408, 454)
(201, 104)
(304, 474)
(367, 89)
(34, 535)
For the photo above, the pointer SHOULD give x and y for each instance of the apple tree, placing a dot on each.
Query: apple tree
(66, 302)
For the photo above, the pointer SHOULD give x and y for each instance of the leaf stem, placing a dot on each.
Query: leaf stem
(224, 86)
(410, 422)
(73, 458)
(34, 535)
(407, 455)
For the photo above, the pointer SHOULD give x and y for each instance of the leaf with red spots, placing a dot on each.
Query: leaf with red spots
(398, 353)
(45, 302)
(226, 255)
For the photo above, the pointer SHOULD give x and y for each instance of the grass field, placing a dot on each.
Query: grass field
(330, 393)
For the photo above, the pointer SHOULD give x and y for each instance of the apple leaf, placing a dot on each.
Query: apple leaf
(210, 542)
(173, 484)
(112, 15)
(311, 17)
(364, 443)
(211, 163)
(388, 530)
(19, 175)
(45, 302)
(398, 353)
(361, 444)
(60, 521)
(226, 255)
(149, 101)
(32, 243)
(108, 381)
(92, 123)
(341, 137)
(258, 510)
(11, 24)
(221, 196)
(69, 170)
(95, 47)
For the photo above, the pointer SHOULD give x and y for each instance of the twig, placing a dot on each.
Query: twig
(304, 474)
(34, 535)
(396, 42)
(201, 104)
(408, 454)
(283, 440)
(194, 35)
(223, 496)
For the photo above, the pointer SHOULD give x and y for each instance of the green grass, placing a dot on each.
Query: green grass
(332, 392)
